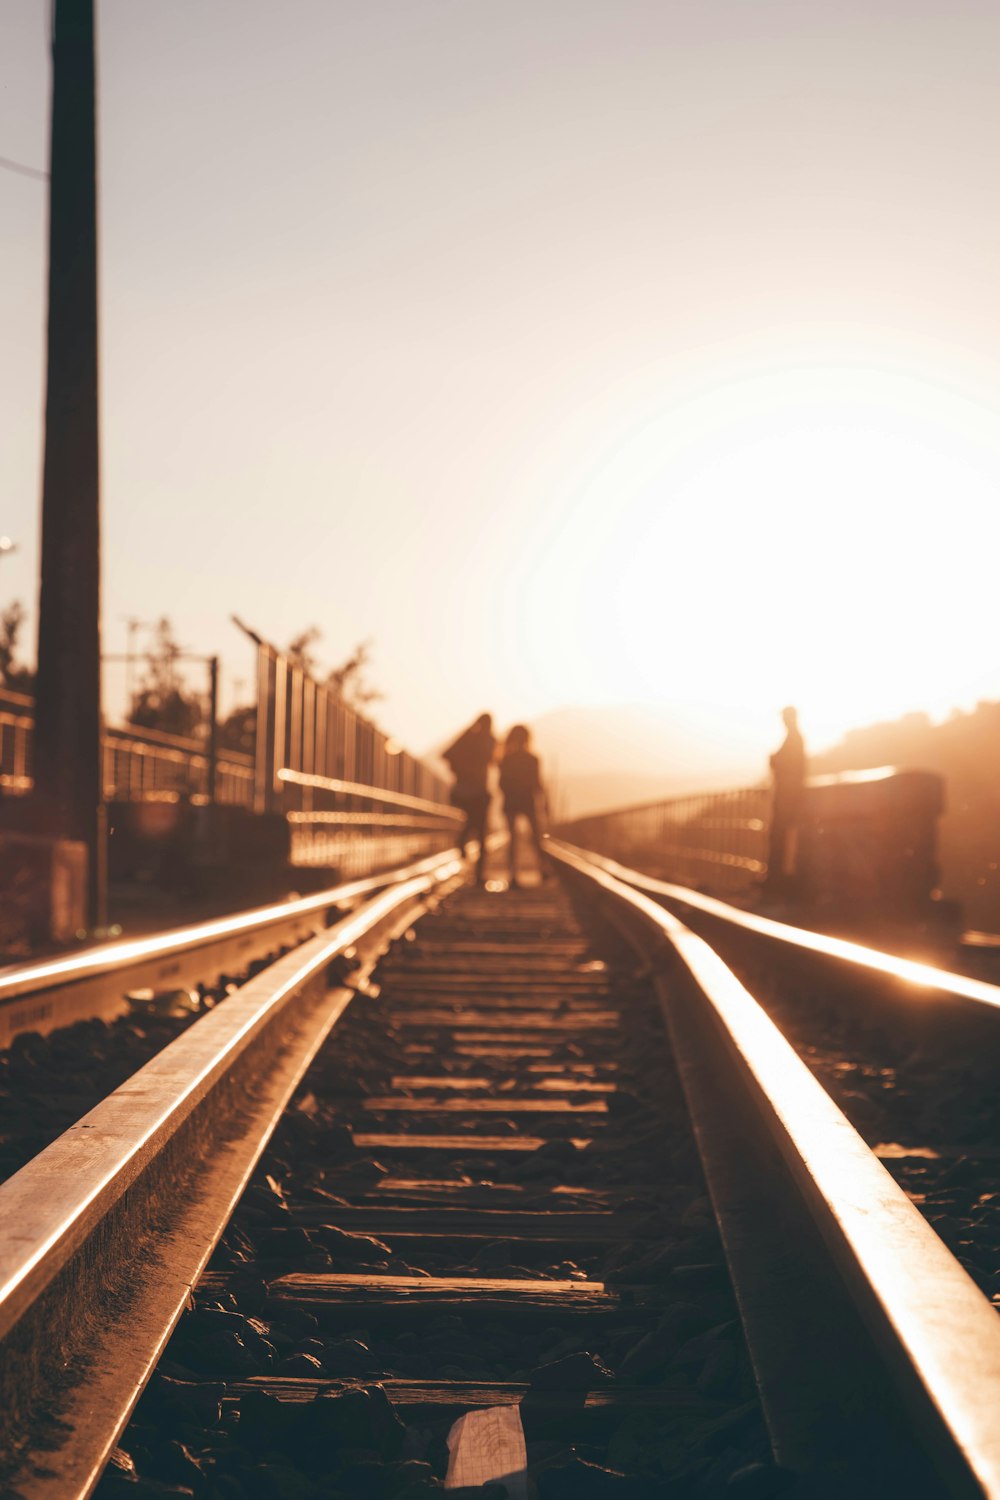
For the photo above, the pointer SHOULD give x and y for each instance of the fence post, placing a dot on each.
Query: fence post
(262, 765)
(213, 728)
(280, 739)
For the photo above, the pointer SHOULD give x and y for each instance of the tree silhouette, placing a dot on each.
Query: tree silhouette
(238, 730)
(349, 680)
(19, 679)
(161, 700)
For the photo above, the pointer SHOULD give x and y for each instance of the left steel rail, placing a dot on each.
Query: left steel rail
(56, 992)
(104, 1234)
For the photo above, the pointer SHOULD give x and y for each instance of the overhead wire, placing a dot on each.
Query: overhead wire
(22, 169)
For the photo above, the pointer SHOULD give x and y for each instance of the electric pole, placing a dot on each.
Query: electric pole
(69, 792)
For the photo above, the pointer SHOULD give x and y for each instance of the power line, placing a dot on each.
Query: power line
(18, 166)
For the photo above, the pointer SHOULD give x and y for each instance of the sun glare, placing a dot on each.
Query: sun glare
(825, 537)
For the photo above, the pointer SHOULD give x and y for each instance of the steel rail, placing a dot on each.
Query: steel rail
(104, 1233)
(909, 970)
(55, 992)
(371, 793)
(936, 1333)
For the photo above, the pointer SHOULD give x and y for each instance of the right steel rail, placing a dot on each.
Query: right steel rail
(842, 1285)
(821, 945)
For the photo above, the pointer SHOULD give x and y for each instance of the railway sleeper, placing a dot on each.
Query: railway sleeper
(414, 1288)
(381, 1281)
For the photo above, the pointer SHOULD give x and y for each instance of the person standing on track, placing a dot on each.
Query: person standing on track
(470, 758)
(788, 770)
(521, 785)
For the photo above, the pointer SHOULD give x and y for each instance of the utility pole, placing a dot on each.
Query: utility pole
(67, 755)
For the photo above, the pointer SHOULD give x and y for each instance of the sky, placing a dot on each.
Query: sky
(573, 351)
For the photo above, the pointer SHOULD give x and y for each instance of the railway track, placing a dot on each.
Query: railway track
(497, 1201)
(73, 1028)
(54, 993)
(909, 1051)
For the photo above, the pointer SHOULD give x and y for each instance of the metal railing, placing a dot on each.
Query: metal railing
(356, 828)
(307, 728)
(302, 727)
(144, 765)
(16, 724)
(139, 764)
(718, 840)
(862, 842)
(353, 801)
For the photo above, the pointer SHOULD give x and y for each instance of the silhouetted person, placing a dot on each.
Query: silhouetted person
(521, 785)
(788, 772)
(470, 758)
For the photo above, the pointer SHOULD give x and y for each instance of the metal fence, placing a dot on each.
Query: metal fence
(306, 728)
(717, 841)
(143, 765)
(16, 723)
(864, 842)
(354, 800)
(357, 829)
(139, 765)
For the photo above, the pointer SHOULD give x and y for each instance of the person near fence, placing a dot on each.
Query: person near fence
(523, 793)
(788, 775)
(469, 759)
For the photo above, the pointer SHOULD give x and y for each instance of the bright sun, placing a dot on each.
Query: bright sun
(826, 537)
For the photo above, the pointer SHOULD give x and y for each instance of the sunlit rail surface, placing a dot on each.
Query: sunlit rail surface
(505, 1117)
(876, 1236)
(59, 991)
(923, 976)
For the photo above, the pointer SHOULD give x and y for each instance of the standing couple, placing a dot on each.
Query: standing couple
(470, 759)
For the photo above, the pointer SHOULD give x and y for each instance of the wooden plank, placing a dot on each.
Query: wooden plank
(557, 1085)
(440, 1081)
(334, 1284)
(364, 1298)
(458, 986)
(460, 1036)
(488, 1444)
(437, 1397)
(432, 1190)
(573, 1065)
(479, 952)
(501, 1053)
(459, 1145)
(553, 981)
(600, 1225)
(359, 1306)
(506, 1020)
(532, 963)
(505, 1007)
(429, 1191)
(474, 997)
(507, 1104)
